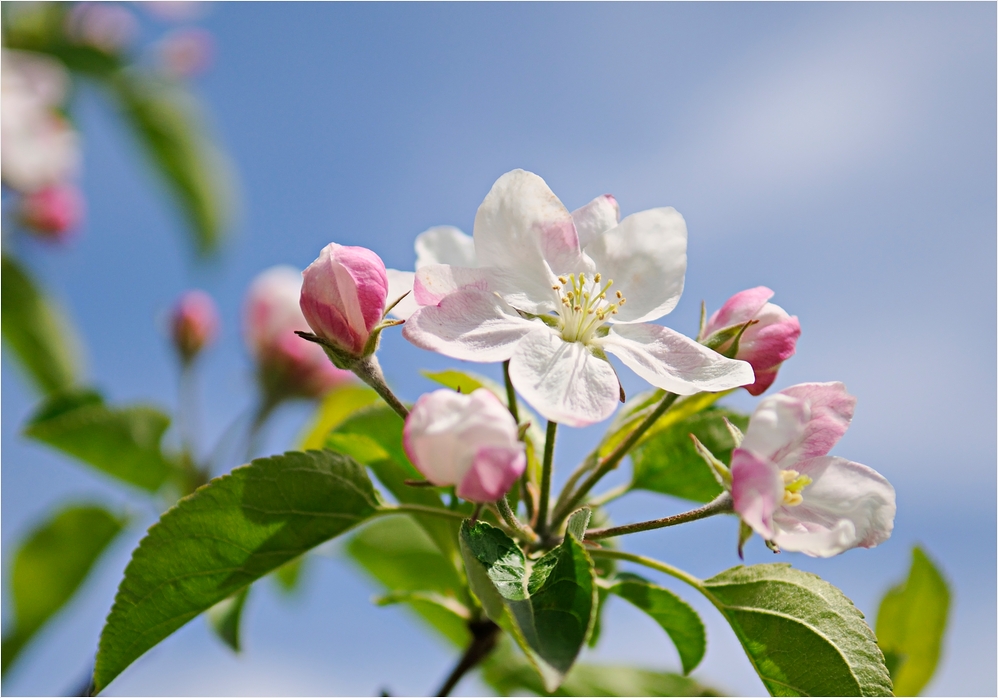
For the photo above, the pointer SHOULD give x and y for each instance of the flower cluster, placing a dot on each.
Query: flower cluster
(553, 293)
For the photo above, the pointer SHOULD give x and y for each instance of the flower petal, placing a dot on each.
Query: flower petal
(469, 324)
(673, 362)
(436, 281)
(646, 258)
(493, 471)
(756, 490)
(445, 244)
(399, 285)
(595, 218)
(740, 308)
(524, 230)
(776, 428)
(562, 380)
(847, 505)
(831, 410)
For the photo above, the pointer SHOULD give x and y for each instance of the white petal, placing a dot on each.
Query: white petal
(436, 281)
(646, 258)
(445, 244)
(777, 425)
(400, 283)
(472, 325)
(595, 218)
(524, 230)
(847, 505)
(563, 380)
(673, 362)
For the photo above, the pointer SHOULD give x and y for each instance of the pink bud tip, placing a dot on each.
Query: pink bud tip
(53, 212)
(194, 323)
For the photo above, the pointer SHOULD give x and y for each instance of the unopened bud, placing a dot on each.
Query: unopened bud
(194, 324)
(53, 212)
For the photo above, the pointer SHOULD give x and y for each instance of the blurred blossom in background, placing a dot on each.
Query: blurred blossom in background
(843, 155)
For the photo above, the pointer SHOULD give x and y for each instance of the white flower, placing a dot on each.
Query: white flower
(554, 292)
(788, 489)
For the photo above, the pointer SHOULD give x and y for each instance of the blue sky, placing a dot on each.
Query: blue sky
(841, 154)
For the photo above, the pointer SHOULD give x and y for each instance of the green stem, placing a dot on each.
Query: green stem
(510, 393)
(721, 505)
(610, 495)
(546, 468)
(506, 512)
(418, 509)
(612, 460)
(369, 371)
(653, 564)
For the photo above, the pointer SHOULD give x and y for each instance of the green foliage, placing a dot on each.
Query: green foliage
(338, 404)
(42, 29)
(288, 576)
(164, 117)
(405, 561)
(911, 624)
(509, 673)
(548, 607)
(802, 635)
(640, 406)
(668, 462)
(121, 442)
(41, 337)
(226, 616)
(373, 436)
(51, 564)
(675, 616)
(223, 537)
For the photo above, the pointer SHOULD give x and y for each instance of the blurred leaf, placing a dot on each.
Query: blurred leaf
(668, 462)
(41, 337)
(802, 635)
(226, 616)
(165, 118)
(551, 606)
(509, 673)
(675, 616)
(911, 624)
(225, 536)
(640, 406)
(288, 576)
(41, 28)
(51, 564)
(121, 442)
(402, 558)
(338, 404)
(378, 444)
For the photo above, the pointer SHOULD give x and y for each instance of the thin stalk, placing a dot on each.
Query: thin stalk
(255, 433)
(484, 635)
(546, 468)
(369, 371)
(510, 393)
(506, 512)
(653, 564)
(612, 460)
(610, 495)
(721, 505)
(591, 461)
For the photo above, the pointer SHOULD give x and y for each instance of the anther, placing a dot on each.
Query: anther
(619, 294)
(597, 277)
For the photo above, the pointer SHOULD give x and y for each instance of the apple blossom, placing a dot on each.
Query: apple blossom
(52, 212)
(786, 487)
(442, 244)
(287, 365)
(549, 296)
(770, 340)
(343, 299)
(470, 441)
(194, 323)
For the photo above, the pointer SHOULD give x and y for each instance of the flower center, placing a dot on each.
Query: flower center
(584, 305)
(793, 483)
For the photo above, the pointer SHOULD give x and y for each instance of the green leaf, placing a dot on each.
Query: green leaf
(226, 616)
(640, 406)
(288, 576)
(225, 536)
(39, 334)
(508, 673)
(165, 118)
(675, 616)
(669, 463)
(51, 564)
(338, 404)
(802, 635)
(404, 560)
(121, 442)
(911, 623)
(374, 438)
(550, 605)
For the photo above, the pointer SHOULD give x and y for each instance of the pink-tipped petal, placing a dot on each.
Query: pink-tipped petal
(493, 472)
(740, 308)
(756, 490)
(831, 409)
(595, 218)
(435, 281)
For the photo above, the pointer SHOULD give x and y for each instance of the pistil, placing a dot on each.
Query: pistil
(584, 309)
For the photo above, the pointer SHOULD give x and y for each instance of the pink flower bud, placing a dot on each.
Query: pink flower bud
(287, 365)
(184, 53)
(765, 344)
(470, 441)
(194, 323)
(343, 296)
(53, 212)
